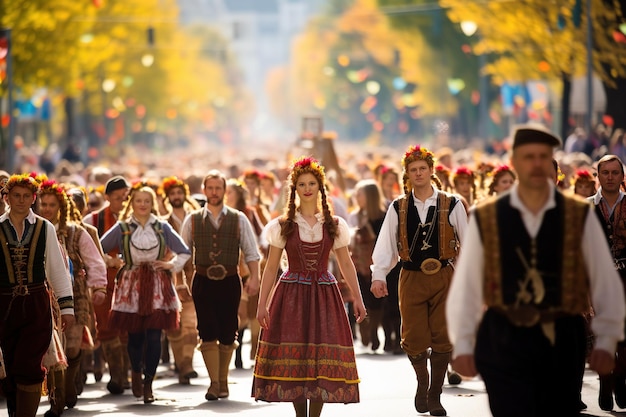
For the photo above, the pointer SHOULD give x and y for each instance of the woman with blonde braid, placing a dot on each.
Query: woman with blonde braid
(145, 301)
(305, 322)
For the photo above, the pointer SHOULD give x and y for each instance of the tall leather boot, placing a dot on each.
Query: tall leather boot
(190, 342)
(56, 393)
(71, 376)
(98, 363)
(211, 355)
(605, 395)
(114, 355)
(27, 400)
(226, 354)
(176, 343)
(421, 371)
(376, 318)
(438, 366)
(619, 376)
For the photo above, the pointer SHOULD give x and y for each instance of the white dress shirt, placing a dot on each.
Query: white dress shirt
(385, 255)
(56, 273)
(465, 304)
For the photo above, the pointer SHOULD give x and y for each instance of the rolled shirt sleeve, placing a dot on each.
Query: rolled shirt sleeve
(94, 263)
(56, 272)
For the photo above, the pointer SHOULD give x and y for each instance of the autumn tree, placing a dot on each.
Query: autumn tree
(368, 80)
(534, 39)
(158, 74)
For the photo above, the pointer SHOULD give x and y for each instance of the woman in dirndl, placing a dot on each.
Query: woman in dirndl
(145, 301)
(306, 354)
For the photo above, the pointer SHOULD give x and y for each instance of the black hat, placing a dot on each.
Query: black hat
(534, 133)
(115, 183)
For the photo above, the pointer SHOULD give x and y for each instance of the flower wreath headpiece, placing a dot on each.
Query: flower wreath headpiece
(418, 153)
(53, 188)
(583, 175)
(171, 182)
(463, 172)
(498, 169)
(307, 164)
(22, 180)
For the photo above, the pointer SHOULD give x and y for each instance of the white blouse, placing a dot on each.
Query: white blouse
(307, 233)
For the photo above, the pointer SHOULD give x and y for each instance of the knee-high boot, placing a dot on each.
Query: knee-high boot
(376, 318)
(438, 366)
(56, 393)
(619, 376)
(71, 375)
(27, 400)
(226, 354)
(114, 355)
(605, 395)
(211, 355)
(421, 371)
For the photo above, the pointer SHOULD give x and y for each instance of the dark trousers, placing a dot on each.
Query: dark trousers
(524, 374)
(217, 305)
(144, 351)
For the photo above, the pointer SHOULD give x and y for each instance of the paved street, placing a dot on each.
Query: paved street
(387, 389)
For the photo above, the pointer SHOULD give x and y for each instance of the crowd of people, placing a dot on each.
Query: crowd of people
(495, 265)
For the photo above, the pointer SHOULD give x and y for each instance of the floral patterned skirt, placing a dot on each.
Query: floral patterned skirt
(307, 353)
(144, 298)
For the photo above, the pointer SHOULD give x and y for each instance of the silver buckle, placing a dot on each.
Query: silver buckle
(216, 272)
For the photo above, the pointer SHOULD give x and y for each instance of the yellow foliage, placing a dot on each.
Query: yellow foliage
(519, 35)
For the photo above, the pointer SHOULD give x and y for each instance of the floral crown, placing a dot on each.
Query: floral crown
(172, 182)
(498, 169)
(418, 153)
(21, 180)
(53, 188)
(305, 165)
(442, 169)
(463, 172)
(583, 175)
(252, 174)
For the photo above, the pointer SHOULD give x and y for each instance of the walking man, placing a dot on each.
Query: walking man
(217, 234)
(423, 227)
(534, 257)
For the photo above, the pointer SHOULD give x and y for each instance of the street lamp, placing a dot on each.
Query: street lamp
(469, 28)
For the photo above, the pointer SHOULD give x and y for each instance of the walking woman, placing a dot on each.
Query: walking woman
(145, 301)
(306, 351)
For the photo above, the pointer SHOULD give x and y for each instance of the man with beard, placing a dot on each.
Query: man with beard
(184, 339)
(610, 207)
(533, 259)
(217, 234)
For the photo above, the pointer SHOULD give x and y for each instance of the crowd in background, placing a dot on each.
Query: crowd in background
(360, 191)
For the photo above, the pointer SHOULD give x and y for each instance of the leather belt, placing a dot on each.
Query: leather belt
(429, 266)
(527, 315)
(24, 289)
(216, 272)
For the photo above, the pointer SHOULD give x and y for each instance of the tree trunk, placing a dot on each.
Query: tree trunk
(565, 101)
(615, 104)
